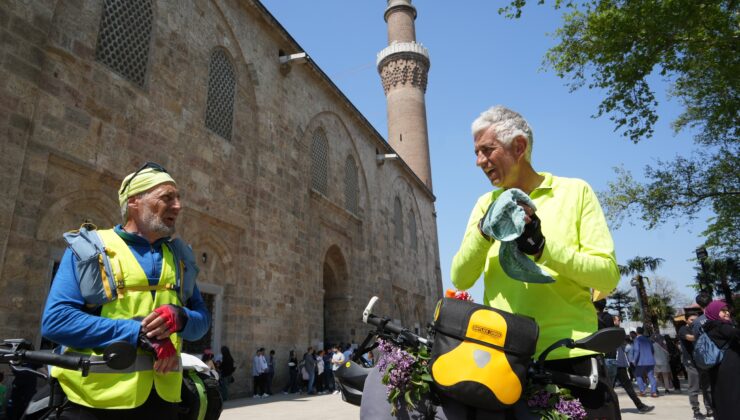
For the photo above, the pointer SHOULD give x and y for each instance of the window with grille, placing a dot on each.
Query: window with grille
(351, 187)
(124, 37)
(319, 162)
(221, 88)
(412, 231)
(397, 220)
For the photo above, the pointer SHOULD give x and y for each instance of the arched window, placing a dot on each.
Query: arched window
(221, 88)
(319, 162)
(412, 231)
(397, 220)
(124, 38)
(351, 187)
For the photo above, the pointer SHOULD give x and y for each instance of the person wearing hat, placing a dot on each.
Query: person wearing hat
(562, 233)
(132, 283)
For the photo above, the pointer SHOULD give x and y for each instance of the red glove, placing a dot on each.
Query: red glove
(162, 349)
(173, 315)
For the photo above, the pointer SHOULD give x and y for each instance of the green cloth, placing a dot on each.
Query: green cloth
(504, 221)
(578, 255)
(143, 181)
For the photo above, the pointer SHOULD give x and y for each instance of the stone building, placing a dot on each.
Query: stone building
(293, 203)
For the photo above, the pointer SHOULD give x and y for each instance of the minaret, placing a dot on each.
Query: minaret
(403, 68)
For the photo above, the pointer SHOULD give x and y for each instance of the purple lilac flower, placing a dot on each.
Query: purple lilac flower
(571, 408)
(539, 399)
(401, 365)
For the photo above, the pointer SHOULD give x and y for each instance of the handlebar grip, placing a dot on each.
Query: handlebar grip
(561, 378)
(389, 326)
(48, 358)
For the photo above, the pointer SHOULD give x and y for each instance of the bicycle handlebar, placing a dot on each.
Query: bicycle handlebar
(43, 357)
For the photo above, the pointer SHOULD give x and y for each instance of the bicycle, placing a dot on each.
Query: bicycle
(17, 352)
(352, 375)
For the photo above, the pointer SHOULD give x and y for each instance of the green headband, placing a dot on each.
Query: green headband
(142, 181)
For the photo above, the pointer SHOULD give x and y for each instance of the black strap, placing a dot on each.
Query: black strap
(442, 331)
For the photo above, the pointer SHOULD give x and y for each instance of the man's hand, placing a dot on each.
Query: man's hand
(166, 365)
(165, 355)
(531, 241)
(163, 321)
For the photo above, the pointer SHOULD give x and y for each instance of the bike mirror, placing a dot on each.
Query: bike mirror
(602, 341)
(119, 355)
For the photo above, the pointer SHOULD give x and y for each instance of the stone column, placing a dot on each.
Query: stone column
(403, 68)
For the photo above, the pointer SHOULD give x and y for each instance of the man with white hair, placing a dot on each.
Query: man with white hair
(131, 283)
(565, 234)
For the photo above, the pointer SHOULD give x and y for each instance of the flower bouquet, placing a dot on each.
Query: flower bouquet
(554, 403)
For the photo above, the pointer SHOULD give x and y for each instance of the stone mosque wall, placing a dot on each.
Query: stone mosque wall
(294, 222)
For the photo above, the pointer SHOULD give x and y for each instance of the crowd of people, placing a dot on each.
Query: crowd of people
(657, 361)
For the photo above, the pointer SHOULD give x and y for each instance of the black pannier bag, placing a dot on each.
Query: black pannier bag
(481, 355)
(201, 398)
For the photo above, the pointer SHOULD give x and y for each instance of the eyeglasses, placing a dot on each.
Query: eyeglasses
(152, 165)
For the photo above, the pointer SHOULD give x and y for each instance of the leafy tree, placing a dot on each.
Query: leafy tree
(621, 301)
(661, 306)
(719, 275)
(619, 47)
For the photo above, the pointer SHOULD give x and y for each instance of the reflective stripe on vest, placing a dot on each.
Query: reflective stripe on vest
(106, 388)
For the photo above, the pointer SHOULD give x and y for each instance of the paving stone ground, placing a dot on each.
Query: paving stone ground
(331, 407)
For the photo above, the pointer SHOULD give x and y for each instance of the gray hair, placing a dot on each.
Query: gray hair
(124, 207)
(507, 125)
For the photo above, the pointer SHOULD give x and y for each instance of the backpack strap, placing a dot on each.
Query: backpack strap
(95, 276)
(186, 270)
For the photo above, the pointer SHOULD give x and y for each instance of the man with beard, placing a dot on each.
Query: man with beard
(132, 283)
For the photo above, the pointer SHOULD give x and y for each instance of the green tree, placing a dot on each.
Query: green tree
(719, 276)
(621, 301)
(619, 47)
(663, 298)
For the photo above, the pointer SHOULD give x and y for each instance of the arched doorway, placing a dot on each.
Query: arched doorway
(336, 298)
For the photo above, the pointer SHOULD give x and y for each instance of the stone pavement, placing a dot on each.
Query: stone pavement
(331, 407)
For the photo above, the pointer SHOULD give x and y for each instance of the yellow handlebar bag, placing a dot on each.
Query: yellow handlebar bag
(481, 355)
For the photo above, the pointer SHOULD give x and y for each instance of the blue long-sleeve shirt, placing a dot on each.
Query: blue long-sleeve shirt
(67, 321)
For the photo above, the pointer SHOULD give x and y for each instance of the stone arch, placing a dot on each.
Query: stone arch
(335, 275)
(70, 211)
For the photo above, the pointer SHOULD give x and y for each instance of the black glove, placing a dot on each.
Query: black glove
(161, 349)
(531, 241)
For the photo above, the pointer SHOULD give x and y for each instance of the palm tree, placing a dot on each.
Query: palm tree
(637, 266)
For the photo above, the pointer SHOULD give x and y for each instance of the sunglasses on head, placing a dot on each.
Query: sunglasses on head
(152, 165)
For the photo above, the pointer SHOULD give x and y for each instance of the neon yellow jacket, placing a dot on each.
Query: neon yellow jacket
(578, 254)
(129, 388)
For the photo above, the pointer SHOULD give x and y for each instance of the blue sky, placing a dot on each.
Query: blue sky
(480, 59)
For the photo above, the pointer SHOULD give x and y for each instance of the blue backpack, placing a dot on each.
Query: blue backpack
(706, 353)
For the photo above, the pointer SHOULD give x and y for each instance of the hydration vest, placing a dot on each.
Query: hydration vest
(112, 280)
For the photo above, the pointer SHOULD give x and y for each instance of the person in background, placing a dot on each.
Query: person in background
(674, 361)
(606, 320)
(725, 376)
(259, 372)
(662, 363)
(208, 358)
(270, 372)
(703, 299)
(320, 372)
(328, 376)
(226, 370)
(685, 334)
(644, 361)
(292, 386)
(337, 358)
(309, 364)
(622, 376)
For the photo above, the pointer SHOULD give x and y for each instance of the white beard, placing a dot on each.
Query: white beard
(152, 223)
